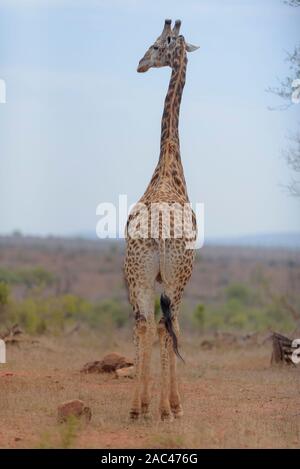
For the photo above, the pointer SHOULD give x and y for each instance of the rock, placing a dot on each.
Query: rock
(75, 408)
(125, 372)
(92, 367)
(109, 363)
(115, 361)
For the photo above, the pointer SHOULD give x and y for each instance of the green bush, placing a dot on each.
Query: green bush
(8, 276)
(200, 316)
(4, 301)
(4, 294)
(29, 315)
(37, 314)
(110, 313)
(240, 293)
(242, 310)
(35, 277)
(30, 277)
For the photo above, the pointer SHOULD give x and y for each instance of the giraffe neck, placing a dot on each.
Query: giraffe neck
(170, 118)
(169, 170)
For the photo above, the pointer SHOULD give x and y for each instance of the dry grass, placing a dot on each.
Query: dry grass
(232, 398)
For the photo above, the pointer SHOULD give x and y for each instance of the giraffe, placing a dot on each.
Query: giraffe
(158, 258)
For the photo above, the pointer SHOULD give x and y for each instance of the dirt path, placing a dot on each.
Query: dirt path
(232, 398)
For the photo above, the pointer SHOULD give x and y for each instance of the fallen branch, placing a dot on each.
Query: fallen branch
(14, 336)
(282, 349)
(11, 335)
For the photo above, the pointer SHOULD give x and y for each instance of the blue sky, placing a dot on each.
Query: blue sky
(80, 126)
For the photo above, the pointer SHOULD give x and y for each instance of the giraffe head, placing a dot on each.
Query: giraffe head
(161, 52)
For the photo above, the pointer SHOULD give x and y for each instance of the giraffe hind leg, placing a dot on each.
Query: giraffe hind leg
(164, 342)
(143, 340)
(170, 306)
(175, 400)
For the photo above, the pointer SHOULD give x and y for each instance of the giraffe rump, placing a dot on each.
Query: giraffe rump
(165, 304)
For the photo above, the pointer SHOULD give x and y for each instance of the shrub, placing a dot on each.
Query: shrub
(200, 316)
(8, 276)
(4, 299)
(110, 313)
(242, 310)
(4, 294)
(30, 277)
(241, 293)
(30, 315)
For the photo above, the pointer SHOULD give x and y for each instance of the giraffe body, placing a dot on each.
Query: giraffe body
(162, 255)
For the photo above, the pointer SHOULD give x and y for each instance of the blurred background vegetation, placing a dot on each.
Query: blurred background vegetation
(53, 300)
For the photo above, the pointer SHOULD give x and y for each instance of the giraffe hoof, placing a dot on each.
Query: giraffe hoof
(146, 416)
(134, 415)
(177, 412)
(145, 412)
(166, 416)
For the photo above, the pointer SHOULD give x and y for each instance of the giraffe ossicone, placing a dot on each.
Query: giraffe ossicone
(157, 258)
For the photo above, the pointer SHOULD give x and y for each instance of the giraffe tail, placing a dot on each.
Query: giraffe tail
(165, 304)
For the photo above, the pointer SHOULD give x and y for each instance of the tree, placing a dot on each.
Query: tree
(293, 3)
(292, 156)
(289, 91)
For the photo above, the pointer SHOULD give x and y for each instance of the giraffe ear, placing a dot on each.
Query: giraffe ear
(190, 47)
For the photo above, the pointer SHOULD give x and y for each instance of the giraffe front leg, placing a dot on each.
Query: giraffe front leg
(164, 341)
